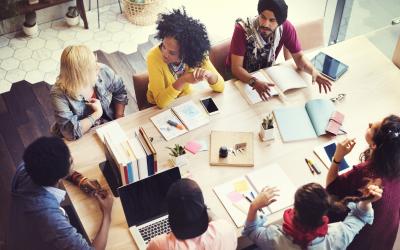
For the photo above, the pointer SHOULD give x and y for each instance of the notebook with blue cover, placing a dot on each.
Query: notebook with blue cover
(309, 121)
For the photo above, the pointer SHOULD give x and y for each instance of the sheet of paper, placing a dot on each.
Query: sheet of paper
(274, 176)
(191, 115)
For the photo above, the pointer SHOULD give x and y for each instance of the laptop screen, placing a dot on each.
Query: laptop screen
(145, 199)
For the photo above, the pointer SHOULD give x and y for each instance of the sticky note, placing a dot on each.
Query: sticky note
(235, 197)
(241, 186)
(193, 147)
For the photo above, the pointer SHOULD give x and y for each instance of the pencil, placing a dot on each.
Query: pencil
(314, 167)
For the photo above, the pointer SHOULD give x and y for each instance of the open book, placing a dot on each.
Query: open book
(180, 119)
(285, 77)
(237, 194)
(309, 121)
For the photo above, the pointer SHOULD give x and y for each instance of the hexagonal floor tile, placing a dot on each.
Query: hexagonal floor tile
(48, 65)
(15, 75)
(66, 35)
(109, 47)
(128, 47)
(17, 43)
(120, 36)
(48, 34)
(41, 54)
(93, 45)
(84, 35)
(9, 64)
(114, 26)
(34, 76)
(29, 64)
(2, 73)
(6, 52)
(54, 44)
(5, 86)
(36, 43)
(59, 25)
(56, 55)
(23, 53)
(51, 77)
(4, 41)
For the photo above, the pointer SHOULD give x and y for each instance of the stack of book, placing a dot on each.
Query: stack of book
(134, 157)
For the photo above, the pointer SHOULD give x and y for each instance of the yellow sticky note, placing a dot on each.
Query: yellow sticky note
(241, 186)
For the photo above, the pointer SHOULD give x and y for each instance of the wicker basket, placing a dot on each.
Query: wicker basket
(142, 13)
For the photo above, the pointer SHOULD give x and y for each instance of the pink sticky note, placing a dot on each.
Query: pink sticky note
(235, 196)
(193, 147)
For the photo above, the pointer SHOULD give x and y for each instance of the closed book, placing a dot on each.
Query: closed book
(153, 150)
(149, 154)
(140, 157)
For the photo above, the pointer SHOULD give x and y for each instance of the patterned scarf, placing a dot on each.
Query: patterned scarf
(177, 70)
(260, 53)
(301, 236)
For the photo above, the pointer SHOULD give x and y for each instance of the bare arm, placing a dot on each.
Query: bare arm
(119, 109)
(342, 149)
(305, 65)
(100, 241)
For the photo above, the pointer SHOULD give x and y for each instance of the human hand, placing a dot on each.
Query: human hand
(96, 106)
(106, 203)
(375, 192)
(263, 89)
(321, 80)
(266, 197)
(343, 148)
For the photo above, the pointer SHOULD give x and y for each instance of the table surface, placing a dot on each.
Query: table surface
(371, 92)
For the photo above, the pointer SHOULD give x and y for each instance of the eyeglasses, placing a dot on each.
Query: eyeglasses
(338, 98)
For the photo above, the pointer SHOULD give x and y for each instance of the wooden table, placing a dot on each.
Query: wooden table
(372, 92)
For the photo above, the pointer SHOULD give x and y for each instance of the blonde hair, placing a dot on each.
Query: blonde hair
(76, 67)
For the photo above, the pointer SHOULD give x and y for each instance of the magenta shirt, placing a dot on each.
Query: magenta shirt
(238, 43)
(382, 233)
(219, 236)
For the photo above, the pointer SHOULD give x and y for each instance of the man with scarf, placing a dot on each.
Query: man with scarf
(256, 43)
(306, 225)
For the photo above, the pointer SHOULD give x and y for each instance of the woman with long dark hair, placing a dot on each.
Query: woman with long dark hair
(381, 161)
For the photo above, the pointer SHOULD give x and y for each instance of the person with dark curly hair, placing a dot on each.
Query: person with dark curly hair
(181, 60)
(257, 41)
(306, 226)
(380, 161)
(37, 220)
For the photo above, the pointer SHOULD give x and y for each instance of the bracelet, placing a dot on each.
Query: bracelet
(334, 161)
(91, 119)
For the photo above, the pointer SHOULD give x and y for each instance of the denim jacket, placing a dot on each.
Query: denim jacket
(68, 111)
(339, 236)
(36, 220)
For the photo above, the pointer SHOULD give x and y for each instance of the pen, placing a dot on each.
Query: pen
(248, 199)
(175, 124)
(314, 167)
(252, 195)
(309, 167)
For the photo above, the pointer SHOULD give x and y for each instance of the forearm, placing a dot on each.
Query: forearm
(119, 109)
(303, 63)
(241, 74)
(332, 173)
(179, 83)
(100, 241)
(252, 214)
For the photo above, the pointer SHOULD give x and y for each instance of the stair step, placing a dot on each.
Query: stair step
(144, 49)
(137, 62)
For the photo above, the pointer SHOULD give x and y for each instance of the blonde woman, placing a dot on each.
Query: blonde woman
(85, 94)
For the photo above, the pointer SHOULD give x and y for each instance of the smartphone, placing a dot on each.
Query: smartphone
(210, 106)
(329, 66)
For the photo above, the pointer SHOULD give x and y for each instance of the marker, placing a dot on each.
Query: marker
(314, 167)
(175, 124)
(309, 167)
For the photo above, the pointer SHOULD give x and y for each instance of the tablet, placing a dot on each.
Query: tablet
(325, 153)
(329, 66)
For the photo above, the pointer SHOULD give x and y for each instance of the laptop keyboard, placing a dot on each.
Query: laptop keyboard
(157, 228)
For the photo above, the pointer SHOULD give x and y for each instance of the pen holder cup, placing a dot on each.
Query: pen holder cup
(179, 161)
(266, 134)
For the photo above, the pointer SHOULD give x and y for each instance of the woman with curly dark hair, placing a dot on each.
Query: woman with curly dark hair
(381, 161)
(181, 60)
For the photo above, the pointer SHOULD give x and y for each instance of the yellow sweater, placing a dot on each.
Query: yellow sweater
(160, 90)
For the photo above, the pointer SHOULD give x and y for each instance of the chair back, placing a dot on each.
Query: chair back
(310, 35)
(218, 54)
(140, 83)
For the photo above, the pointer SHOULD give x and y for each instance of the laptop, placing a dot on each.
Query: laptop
(145, 205)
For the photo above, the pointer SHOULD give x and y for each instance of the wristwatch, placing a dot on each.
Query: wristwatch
(252, 81)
